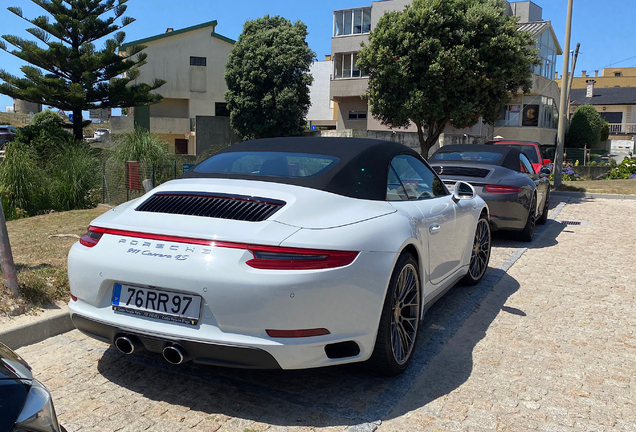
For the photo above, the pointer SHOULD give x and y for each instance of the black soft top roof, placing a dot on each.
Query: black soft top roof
(362, 170)
(509, 160)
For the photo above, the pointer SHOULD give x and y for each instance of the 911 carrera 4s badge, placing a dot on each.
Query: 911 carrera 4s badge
(158, 304)
(158, 250)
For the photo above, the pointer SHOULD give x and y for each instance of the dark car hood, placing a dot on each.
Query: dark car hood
(12, 366)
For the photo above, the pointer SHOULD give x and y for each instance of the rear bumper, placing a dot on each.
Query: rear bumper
(202, 353)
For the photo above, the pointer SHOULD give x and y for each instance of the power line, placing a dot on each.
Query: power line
(612, 64)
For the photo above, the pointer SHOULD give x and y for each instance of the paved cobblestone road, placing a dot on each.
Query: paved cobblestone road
(552, 346)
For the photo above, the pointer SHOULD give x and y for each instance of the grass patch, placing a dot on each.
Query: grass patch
(40, 246)
(620, 187)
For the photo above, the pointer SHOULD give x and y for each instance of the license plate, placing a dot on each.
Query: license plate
(157, 304)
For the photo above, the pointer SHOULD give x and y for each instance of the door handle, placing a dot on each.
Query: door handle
(434, 229)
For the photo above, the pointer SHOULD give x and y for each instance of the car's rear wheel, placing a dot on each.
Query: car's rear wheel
(527, 233)
(546, 209)
(480, 255)
(400, 319)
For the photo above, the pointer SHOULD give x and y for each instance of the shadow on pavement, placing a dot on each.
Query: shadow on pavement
(454, 364)
(545, 236)
(335, 396)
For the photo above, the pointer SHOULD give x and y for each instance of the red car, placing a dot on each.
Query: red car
(531, 149)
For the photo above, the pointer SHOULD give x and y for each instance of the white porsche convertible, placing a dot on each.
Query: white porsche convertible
(281, 253)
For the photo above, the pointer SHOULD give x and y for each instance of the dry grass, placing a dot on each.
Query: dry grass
(17, 120)
(620, 187)
(40, 258)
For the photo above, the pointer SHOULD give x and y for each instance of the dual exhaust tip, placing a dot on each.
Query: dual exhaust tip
(174, 354)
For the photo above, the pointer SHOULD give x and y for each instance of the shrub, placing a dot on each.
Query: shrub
(585, 128)
(141, 146)
(625, 170)
(22, 182)
(605, 130)
(74, 172)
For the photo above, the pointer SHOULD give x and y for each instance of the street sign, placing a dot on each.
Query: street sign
(70, 117)
(100, 113)
(186, 167)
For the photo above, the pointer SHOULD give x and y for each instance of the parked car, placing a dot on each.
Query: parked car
(99, 134)
(7, 134)
(285, 253)
(25, 404)
(504, 177)
(531, 149)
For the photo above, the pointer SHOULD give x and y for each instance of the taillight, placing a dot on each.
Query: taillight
(92, 236)
(265, 257)
(502, 189)
(281, 258)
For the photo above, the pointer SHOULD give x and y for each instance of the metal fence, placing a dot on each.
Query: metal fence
(124, 181)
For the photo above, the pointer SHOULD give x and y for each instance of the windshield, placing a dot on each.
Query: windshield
(468, 156)
(277, 164)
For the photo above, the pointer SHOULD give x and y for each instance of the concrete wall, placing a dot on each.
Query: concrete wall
(526, 11)
(173, 108)
(319, 92)
(123, 124)
(347, 87)
(347, 43)
(351, 104)
(24, 107)
(379, 8)
(213, 133)
(168, 125)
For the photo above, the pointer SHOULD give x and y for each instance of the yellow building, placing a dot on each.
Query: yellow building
(609, 78)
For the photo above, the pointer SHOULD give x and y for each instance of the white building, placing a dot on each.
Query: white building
(192, 62)
(321, 112)
(352, 26)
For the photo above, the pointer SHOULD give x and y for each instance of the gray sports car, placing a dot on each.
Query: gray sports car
(504, 177)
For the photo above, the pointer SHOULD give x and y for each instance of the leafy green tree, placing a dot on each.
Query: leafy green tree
(45, 136)
(70, 73)
(605, 130)
(442, 62)
(267, 79)
(585, 128)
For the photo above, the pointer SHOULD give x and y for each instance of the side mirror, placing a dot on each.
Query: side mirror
(547, 161)
(545, 171)
(463, 191)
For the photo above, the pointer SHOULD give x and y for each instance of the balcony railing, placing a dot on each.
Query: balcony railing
(622, 128)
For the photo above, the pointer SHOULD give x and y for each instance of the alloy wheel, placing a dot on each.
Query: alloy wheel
(405, 307)
(481, 250)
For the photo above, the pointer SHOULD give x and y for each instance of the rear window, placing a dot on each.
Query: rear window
(529, 150)
(276, 164)
(469, 156)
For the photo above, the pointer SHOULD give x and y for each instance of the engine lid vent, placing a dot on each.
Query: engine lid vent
(461, 171)
(214, 205)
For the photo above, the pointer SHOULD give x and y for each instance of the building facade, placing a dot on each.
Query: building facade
(609, 78)
(529, 117)
(192, 62)
(321, 114)
(616, 105)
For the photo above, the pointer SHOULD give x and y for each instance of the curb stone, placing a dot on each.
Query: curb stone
(593, 195)
(29, 334)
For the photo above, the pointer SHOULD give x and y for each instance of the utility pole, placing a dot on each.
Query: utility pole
(6, 257)
(558, 163)
(576, 56)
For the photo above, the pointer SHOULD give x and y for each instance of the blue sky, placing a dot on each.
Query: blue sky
(604, 28)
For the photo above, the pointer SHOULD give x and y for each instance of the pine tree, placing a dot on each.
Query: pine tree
(70, 73)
